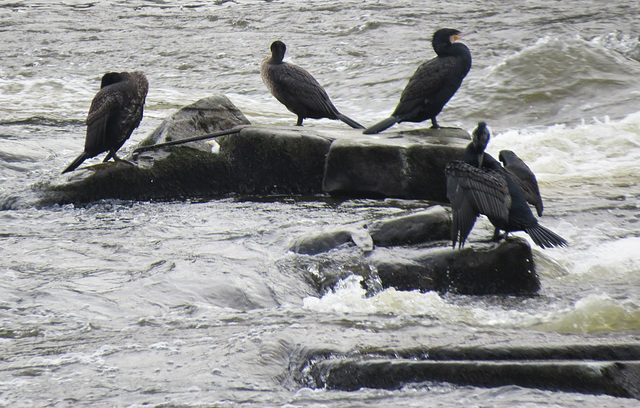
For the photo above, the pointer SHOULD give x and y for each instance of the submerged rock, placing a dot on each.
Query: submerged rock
(431, 225)
(434, 224)
(328, 240)
(612, 369)
(618, 379)
(503, 268)
(413, 252)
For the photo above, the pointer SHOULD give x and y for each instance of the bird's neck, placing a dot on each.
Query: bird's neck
(447, 50)
(276, 59)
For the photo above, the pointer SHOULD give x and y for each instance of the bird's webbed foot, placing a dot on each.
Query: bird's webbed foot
(119, 160)
(299, 122)
(434, 124)
(497, 236)
(126, 162)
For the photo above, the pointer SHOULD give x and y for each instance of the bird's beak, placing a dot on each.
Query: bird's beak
(458, 36)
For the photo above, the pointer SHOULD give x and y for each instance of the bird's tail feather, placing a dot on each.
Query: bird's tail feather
(350, 121)
(77, 162)
(382, 125)
(545, 238)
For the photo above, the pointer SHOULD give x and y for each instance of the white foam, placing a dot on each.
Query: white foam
(601, 149)
(613, 259)
(593, 313)
(349, 297)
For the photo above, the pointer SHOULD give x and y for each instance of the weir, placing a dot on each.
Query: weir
(612, 369)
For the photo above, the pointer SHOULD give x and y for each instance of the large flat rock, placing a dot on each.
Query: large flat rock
(394, 165)
(276, 160)
(174, 173)
(266, 160)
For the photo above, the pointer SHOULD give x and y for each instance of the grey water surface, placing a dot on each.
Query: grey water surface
(199, 303)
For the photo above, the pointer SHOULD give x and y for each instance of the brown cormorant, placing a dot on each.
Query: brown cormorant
(298, 90)
(480, 185)
(433, 83)
(115, 112)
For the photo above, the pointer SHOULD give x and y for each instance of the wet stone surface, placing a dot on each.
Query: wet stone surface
(612, 369)
(266, 160)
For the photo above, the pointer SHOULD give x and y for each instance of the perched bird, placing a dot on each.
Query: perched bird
(480, 185)
(433, 83)
(298, 90)
(524, 177)
(475, 155)
(115, 112)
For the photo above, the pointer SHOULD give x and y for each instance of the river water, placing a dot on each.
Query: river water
(199, 303)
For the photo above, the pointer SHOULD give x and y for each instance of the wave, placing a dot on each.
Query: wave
(555, 81)
(42, 121)
(590, 314)
(625, 44)
(596, 150)
(593, 314)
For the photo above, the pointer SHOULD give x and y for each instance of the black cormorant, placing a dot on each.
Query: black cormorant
(115, 112)
(524, 176)
(433, 83)
(298, 90)
(480, 185)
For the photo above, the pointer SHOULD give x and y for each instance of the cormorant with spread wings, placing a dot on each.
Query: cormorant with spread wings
(481, 185)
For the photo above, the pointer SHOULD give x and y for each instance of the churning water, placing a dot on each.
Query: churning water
(200, 303)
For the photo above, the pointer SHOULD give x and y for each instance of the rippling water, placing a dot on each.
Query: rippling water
(199, 303)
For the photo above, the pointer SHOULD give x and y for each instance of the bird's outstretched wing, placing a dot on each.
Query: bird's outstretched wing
(525, 178)
(474, 191)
